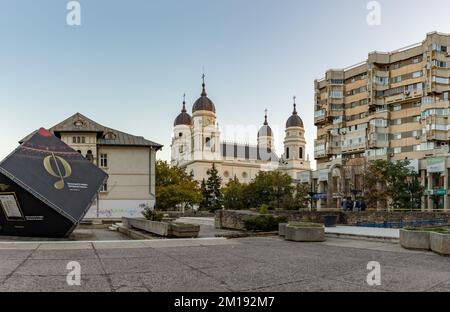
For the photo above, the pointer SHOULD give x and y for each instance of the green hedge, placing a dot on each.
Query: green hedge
(264, 223)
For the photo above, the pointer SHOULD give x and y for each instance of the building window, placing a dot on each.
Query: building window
(244, 175)
(300, 153)
(226, 174)
(74, 139)
(287, 152)
(181, 149)
(83, 140)
(180, 134)
(208, 142)
(104, 160)
(104, 188)
(90, 156)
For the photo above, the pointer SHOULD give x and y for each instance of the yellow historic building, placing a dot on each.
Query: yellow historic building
(128, 160)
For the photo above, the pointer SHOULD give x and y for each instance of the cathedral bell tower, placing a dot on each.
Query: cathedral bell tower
(206, 134)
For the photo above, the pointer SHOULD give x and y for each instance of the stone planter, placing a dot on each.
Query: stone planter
(158, 228)
(419, 240)
(440, 243)
(282, 229)
(165, 229)
(305, 233)
(182, 230)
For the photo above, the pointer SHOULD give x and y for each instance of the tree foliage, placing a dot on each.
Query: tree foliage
(212, 191)
(395, 181)
(175, 188)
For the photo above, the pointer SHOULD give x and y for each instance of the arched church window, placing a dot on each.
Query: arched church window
(180, 134)
(208, 142)
(287, 152)
(181, 149)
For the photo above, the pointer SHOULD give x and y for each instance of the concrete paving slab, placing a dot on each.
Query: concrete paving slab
(11, 254)
(127, 282)
(65, 254)
(118, 244)
(141, 265)
(183, 281)
(58, 267)
(400, 279)
(65, 246)
(19, 245)
(168, 243)
(21, 283)
(127, 253)
(9, 266)
(249, 276)
(316, 285)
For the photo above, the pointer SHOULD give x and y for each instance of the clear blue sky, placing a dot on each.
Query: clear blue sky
(129, 62)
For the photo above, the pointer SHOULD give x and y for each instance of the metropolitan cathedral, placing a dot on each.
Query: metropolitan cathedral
(196, 146)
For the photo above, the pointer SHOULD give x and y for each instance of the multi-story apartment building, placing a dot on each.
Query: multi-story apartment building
(393, 106)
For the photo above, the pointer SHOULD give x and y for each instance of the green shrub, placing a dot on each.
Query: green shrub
(153, 215)
(264, 223)
(264, 209)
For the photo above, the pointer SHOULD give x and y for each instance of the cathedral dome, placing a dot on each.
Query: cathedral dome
(183, 118)
(204, 103)
(294, 120)
(265, 130)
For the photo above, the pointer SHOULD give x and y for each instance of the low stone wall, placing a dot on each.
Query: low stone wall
(234, 219)
(353, 218)
(189, 214)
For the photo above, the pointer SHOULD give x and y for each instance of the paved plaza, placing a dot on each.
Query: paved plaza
(251, 264)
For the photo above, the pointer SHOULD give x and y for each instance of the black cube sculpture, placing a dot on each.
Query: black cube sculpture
(46, 188)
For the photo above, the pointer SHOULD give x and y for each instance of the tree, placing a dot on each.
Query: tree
(204, 203)
(213, 190)
(395, 181)
(234, 195)
(301, 197)
(271, 188)
(175, 188)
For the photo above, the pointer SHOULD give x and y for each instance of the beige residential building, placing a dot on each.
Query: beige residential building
(196, 145)
(128, 160)
(395, 106)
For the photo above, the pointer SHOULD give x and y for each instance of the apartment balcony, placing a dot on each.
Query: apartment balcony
(374, 143)
(320, 117)
(435, 104)
(354, 148)
(437, 135)
(321, 148)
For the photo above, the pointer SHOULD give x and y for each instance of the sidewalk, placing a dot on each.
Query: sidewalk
(364, 232)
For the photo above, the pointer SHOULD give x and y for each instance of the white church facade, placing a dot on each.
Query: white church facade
(196, 145)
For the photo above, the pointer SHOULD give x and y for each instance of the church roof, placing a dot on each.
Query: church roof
(294, 120)
(246, 152)
(203, 103)
(183, 118)
(265, 130)
(105, 136)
